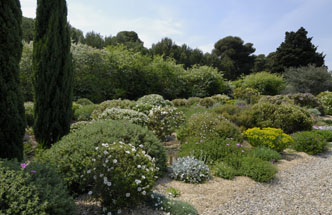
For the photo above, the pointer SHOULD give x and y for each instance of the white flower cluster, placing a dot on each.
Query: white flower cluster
(154, 100)
(163, 120)
(124, 160)
(189, 169)
(124, 114)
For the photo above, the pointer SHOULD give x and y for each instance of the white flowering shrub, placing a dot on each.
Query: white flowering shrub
(122, 176)
(154, 100)
(115, 103)
(189, 169)
(164, 120)
(124, 114)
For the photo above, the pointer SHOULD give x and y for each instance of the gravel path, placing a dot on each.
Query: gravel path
(303, 189)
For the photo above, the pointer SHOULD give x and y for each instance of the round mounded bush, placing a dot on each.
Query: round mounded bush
(124, 114)
(116, 103)
(33, 188)
(309, 142)
(209, 125)
(84, 101)
(72, 154)
(154, 100)
(290, 118)
(122, 176)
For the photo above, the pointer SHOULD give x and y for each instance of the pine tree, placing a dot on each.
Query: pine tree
(296, 51)
(12, 119)
(53, 72)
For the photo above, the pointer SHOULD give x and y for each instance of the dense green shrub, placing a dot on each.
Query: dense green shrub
(164, 120)
(222, 170)
(77, 125)
(265, 154)
(180, 102)
(326, 100)
(220, 98)
(209, 125)
(277, 100)
(83, 113)
(124, 114)
(309, 142)
(238, 114)
(257, 169)
(207, 102)
(251, 96)
(72, 154)
(306, 100)
(84, 101)
(193, 100)
(308, 79)
(212, 150)
(116, 103)
(272, 138)
(122, 176)
(327, 134)
(174, 207)
(265, 82)
(290, 118)
(38, 189)
(29, 113)
(189, 169)
(17, 196)
(203, 81)
(26, 72)
(154, 100)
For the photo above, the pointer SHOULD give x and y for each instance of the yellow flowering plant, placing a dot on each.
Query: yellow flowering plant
(273, 138)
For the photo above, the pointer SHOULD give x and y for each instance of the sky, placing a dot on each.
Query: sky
(201, 23)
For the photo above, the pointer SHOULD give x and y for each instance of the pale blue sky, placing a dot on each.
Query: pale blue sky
(201, 23)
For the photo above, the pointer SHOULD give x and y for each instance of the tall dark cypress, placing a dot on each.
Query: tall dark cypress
(53, 76)
(12, 119)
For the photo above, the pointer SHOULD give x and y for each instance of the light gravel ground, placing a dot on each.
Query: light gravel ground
(302, 189)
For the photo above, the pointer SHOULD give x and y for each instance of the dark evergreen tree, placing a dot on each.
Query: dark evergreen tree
(28, 29)
(12, 119)
(94, 39)
(235, 57)
(52, 64)
(297, 51)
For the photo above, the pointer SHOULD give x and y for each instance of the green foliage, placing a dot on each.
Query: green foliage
(154, 100)
(12, 119)
(207, 102)
(128, 38)
(257, 169)
(235, 56)
(290, 118)
(94, 39)
(306, 100)
(296, 51)
(212, 150)
(203, 81)
(28, 106)
(265, 154)
(77, 125)
(17, 196)
(84, 113)
(193, 100)
(180, 102)
(326, 134)
(190, 170)
(126, 115)
(222, 170)
(309, 142)
(273, 138)
(28, 29)
(276, 100)
(164, 120)
(208, 125)
(308, 79)
(84, 101)
(53, 79)
(326, 100)
(250, 95)
(26, 73)
(116, 103)
(220, 98)
(174, 207)
(173, 192)
(43, 191)
(265, 82)
(72, 155)
(122, 175)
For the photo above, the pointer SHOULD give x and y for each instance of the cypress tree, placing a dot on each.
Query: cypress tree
(53, 76)
(12, 119)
